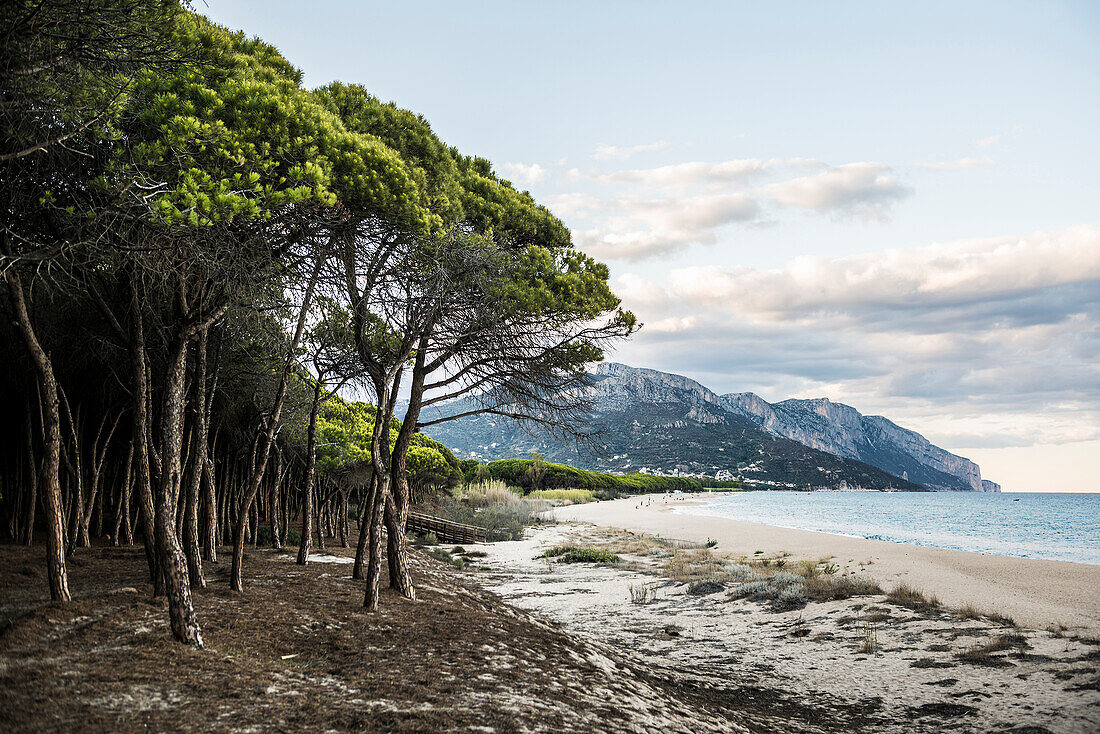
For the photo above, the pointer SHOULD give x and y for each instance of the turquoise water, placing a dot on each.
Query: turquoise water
(1060, 527)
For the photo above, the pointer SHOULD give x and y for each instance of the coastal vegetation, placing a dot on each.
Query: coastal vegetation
(199, 253)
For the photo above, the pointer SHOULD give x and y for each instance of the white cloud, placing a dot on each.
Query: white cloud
(608, 152)
(944, 275)
(956, 165)
(526, 173)
(986, 142)
(635, 228)
(862, 188)
(690, 174)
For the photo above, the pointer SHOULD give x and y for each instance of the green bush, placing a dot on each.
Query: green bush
(582, 554)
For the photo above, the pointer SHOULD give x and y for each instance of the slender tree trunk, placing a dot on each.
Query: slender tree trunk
(140, 439)
(273, 505)
(51, 428)
(32, 482)
(122, 510)
(364, 529)
(311, 467)
(201, 435)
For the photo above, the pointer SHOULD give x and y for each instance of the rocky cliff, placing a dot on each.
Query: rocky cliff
(842, 430)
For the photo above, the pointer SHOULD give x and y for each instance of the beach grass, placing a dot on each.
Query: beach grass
(911, 598)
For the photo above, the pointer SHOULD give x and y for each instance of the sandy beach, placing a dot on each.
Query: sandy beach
(1035, 593)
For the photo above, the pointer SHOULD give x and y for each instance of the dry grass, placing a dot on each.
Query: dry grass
(970, 612)
(906, 596)
(491, 492)
(832, 587)
(983, 654)
(686, 566)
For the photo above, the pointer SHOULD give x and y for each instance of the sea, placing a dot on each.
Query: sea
(1055, 526)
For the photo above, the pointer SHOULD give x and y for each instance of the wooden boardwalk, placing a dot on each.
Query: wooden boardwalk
(446, 530)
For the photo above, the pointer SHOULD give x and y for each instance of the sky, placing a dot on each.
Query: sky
(892, 205)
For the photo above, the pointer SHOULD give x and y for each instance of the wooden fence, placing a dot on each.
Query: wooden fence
(446, 530)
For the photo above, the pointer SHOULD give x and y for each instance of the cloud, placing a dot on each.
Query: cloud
(986, 142)
(690, 174)
(956, 165)
(983, 342)
(867, 189)
(974, 272)
(526, 173)
(608, 152)
(635, 228)
(670, 207)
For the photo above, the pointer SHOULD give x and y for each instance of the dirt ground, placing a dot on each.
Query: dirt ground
(296, 652)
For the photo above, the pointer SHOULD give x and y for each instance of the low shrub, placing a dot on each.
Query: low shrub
(705, 586)
(582, 554)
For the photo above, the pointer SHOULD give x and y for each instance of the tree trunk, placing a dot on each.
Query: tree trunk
(364, 530)
(311, 467)
(199, 446)
(173, 560)
(51, 428)
(397, 515)
(273, 505)
(140, 439)
(32, 483)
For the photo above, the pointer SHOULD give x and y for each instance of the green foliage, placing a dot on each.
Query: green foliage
(582, 554)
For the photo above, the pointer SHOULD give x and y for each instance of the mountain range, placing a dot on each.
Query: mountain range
(669, 424)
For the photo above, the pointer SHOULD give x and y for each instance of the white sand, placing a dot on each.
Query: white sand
(1036, 593)
(803, 670)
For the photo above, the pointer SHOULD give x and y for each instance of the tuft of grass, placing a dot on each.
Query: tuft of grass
(582, 554)
(430, 539)
(983, 654)
(906, 596)
(870, 638)
(703, 587)
(831, 588)
(643, 593)
(968, 611)
(442, 555)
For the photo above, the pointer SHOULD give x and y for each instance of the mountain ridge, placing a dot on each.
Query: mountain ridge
(666, 423)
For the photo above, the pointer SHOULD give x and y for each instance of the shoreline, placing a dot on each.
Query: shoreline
(1036, 592)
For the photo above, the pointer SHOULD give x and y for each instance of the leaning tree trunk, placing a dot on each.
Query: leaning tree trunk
(51, 428)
